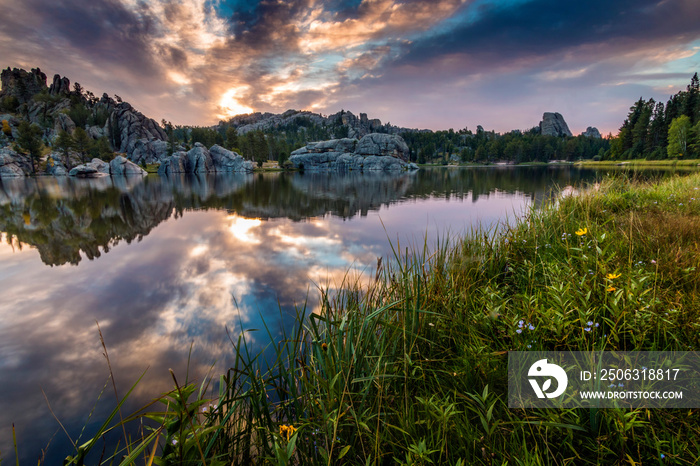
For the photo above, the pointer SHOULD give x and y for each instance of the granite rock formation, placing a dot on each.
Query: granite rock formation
(22, 84)
(374, 151)
(202, 160)
(13, 164)
(355, 126)
(553, 124)
(60, 86)
(119, 166)
(592, 132)
(141, 138)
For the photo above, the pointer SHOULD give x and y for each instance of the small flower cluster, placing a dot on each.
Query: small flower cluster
(590, 326)
(611, 277)
(287, 431)
(208, 408)
(522, 324)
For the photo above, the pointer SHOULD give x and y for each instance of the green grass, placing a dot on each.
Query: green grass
(642, 163)
(411, 368)
(151, 167)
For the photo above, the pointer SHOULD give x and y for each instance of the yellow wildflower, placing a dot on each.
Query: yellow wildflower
(287, 431)
(613, 276)
(611, 288)
(581, 231)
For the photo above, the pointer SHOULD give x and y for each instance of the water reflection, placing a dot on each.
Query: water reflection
(171, 261)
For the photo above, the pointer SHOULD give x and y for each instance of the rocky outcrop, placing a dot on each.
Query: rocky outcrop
(383, 145)
(176, 163)
(592, 132)
(22, 84)
(120, 166)
(13, 164)
(149, 151)
(226, 161)
(55, 165)
(338, 124)
(200, 160)
(60, 85)
(92, 169)
(139, 137)
(553, 124)
(62, 122)
(373, 152)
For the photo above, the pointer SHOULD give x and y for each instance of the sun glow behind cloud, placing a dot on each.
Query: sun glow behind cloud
(230, 105)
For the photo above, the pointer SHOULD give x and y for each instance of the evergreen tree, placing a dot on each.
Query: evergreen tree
(100, 149)
(231, 138)
(81, 142)
(64, 143)
(29, 140)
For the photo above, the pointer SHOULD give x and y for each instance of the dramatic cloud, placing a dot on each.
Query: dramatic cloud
(422, 63)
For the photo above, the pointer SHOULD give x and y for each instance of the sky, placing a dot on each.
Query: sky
(434, 64)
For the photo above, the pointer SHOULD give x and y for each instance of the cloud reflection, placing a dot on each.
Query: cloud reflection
(183, 259)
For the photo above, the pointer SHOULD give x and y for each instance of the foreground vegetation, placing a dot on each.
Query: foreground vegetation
(411, 368)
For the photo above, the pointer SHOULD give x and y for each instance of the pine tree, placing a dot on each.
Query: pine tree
(81, 142)
(231, 138)
(29, 139)
(65, 143)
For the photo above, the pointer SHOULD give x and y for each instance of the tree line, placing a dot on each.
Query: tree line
(653, 130)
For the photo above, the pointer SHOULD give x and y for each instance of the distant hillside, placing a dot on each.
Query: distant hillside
(339, 125)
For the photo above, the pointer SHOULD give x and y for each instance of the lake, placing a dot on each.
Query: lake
(168, 265)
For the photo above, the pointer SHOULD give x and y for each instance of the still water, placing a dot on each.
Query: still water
(168, 264)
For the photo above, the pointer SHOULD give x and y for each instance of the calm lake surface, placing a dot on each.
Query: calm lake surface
(163, 264)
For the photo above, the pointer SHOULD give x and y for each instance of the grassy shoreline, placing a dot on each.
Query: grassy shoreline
(641, 163)
(412, 367)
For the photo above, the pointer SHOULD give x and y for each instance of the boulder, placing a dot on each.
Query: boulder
(55, 166)
(95, 132)
(199, 160)
(334, 145)
(13, 164)
(383, 145)
(92, 169)
(375, 151)
(226, 161)
(592, 132)
(553, 124)
(149, 151)
(121, 166)
(62, 122)
(173, 164)
(84, 171)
